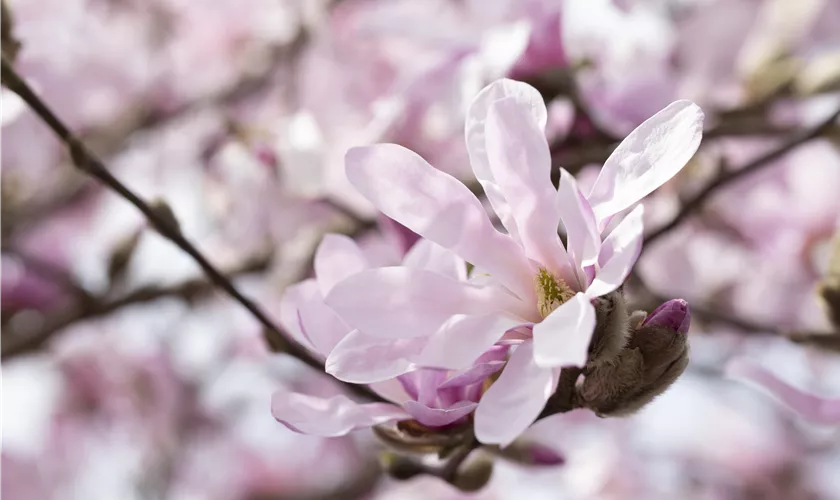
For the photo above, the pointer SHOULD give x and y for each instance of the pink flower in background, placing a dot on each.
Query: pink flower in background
(529, 281)
(816, 409)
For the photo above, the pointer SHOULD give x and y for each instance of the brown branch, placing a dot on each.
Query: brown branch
(726, 178)
(88, 163)
(114, 138)
(21, 342)
(825, 340)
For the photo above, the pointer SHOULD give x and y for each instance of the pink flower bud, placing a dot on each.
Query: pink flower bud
(673, 314)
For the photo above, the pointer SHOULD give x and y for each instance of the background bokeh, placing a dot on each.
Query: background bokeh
(127, 375)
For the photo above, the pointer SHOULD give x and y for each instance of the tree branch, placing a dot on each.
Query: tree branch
(88, 163)
(728, 177)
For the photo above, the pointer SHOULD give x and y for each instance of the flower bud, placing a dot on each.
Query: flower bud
(400, 467)
(673, 314)
(531, 453)
(655, 356)
(474, 474)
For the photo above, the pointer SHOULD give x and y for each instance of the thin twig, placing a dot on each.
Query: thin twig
(87, 162)
(21, 342)
(697, 201)
(825, 340)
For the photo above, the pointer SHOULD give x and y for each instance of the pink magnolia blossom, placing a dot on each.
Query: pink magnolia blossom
(530, 281)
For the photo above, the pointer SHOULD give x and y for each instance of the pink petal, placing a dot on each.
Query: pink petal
(364, 359)
(438, 207)
(391, 390)
(293, 298)
(809, 406)
(462, 339)
(473, 375)
(321, 324)
(583, 240)
(518, 154)
(401, 302)
(562, 338)
(330, 417)
(476, 141)
(438, 417)
(433, 257)
(653, 153)
(337, 257)
(515, 400)
(619, 253)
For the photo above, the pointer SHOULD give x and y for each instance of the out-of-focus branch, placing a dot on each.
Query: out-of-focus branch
(114, 138)
(162, 221)
(825, 340)
(22, 342)
(728, 177)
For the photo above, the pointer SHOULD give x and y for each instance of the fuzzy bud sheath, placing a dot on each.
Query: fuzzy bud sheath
(655, 355)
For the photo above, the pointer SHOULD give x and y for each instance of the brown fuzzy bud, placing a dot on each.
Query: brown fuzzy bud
(611, 329)
(655, 356)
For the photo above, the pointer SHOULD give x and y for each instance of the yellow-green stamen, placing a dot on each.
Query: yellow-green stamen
(552, 291)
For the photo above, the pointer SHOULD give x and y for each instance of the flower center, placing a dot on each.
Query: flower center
(552, 292)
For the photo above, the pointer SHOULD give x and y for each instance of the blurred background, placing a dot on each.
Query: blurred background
(126, 374)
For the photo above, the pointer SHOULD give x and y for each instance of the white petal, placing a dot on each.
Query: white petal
(619, 253)
(462, 339)
(337, 257)
(515, 400)
(438, 207)
(433, 257)
(330, 417)
(401, 302)
(521, 164)
(562, 338)
(653, 153)
(364, 359)
(583, 240)
(474, 131)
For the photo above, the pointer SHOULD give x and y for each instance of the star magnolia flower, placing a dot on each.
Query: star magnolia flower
(533, 287)
(432, 397)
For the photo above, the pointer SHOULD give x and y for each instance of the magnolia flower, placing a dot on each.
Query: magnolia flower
(527, 288)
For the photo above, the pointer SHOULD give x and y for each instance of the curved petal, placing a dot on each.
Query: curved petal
(438, 417)
(433, 257)
(438, 207)
(321, 324)
(337, 257)
(521, 164)
(294, 296)
(515, 400)
(562, 338)
(809, 406)
(619, 253)
(330, 417)
(364, 359)
(653, 153)
(401, 302)
(524, 94)
(462, 339)
(583, 240)
(392, 390)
